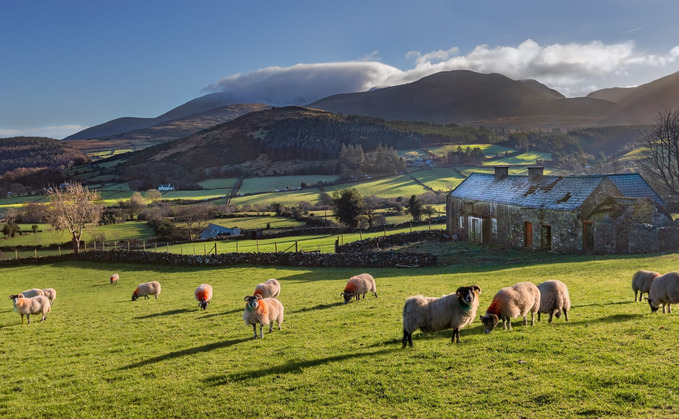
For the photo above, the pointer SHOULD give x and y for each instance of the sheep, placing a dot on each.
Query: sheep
(664, 291)
(512, 302)
(264, 311)
(554, 299)
(51, 294)
(641, 282)
(359, 285)
(430, 314)
(203, 295)
(146, 289)
(33, 293)
(268, 289)
(114, 279)
(34, 305)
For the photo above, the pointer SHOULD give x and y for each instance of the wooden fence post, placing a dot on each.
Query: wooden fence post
(275, 246)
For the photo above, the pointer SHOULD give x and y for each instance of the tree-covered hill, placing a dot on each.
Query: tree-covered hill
(34, 152)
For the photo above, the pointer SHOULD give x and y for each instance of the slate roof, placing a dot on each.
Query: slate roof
(213, 230)
(549, 192)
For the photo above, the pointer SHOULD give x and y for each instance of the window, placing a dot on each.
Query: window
(461, 222)
(475, 230)
(493, 226)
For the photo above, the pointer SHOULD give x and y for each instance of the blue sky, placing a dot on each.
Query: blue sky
(67, 65)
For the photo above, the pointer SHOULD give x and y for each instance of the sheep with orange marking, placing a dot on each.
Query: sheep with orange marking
(641, 282)
(268, 289)
(114, 279)
(33, 293)
(34, 305)
(51, 294)
(359, 285)
(203, 295)
(430, 314)
(512, 302)
(264, 311)
(146, 289)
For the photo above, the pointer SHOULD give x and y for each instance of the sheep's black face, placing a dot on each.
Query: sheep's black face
(489, 322)
(134, 297)
(653, 308)
(252, 301)
(203, 304)
(348, 296)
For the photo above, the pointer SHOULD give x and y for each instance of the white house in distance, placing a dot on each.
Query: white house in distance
(165, 187)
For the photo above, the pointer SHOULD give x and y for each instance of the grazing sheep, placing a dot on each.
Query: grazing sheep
(34, 305)
(33, 293)
(554, 299)
(359, 285)
(114, 279)
(50, 293)
(268, 289)
(203, 295)
(429, 314)
(146, 289)
(264, 311)
(641, 282)
(512, 302)
(664, 291)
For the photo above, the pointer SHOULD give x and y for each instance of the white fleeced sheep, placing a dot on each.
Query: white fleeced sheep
(146, 289)
(554, 299)
(114, 279)
(51, 294)
(33, 293)
(430, 314)
(641, 282)
(33, 305)
(664, 291)
(512, 302)
(203, 295)
(269, 289)
(264, 311)
(359, 285)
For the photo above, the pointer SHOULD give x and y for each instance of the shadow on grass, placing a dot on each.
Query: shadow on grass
(164, 313)
(226, 313)
(185, 352)
(612, 303)
(319, 307)
(290, 367)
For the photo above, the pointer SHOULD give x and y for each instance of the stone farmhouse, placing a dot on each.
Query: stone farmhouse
(615, 213)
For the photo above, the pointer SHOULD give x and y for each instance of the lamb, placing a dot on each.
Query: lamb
(114, 279)
(203, 295)
(359, 285)
(268, 289)
(512, 302)
(264, 311)
(430, 314)
(51, 294)
(554, 299)
(641, 282)
(146, 289)
(34, 305)
(33, 293)
(664, 291)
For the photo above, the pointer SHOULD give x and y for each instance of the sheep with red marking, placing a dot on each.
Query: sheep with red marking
(359, 285)
(554, 299)
(34, 305)
(51, 294)
(664, 291)
(512, 302)
(641, 282)
(146, 289)
(264, 311)
(114, 279)
(203, 295)
(430, 314)
(268, 289)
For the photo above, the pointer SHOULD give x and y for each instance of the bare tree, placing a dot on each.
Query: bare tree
(196, 218)
(72, 209)
(661, 160)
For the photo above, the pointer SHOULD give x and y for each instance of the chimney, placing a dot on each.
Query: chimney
(501, 172)
(535, 173)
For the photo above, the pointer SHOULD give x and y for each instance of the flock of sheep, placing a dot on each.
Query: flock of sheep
(429, 314)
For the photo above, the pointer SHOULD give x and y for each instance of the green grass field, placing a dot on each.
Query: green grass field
(99, 354)
(218, 183)
(390, 187)
(487, 149)
(280, 183)
(439, 179)
(525, 159)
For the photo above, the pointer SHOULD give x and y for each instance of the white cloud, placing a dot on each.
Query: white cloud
(58, 132)
(574, 69)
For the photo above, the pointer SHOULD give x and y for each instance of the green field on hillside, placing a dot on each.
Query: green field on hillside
(443, 179)
(99, 354)
(281, 183)
(488, 150)
(391, 187)
(525, 159)
(218, 183)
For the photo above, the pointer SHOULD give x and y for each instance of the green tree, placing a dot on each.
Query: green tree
(414, 207)
(348, 206)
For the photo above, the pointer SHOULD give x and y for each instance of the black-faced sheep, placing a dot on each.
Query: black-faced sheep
(114, 279)
(554, 299)
(33, 293)
(264, 311)
(641, 282)
(512, 302)
(268, 289)
(51, 294)
(203, 295)
(34, 305)
(430, 314)
(358, 285)
(146, 289)
(664, 291)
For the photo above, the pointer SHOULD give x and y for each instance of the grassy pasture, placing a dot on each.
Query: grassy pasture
(444, 179)
(99, 354)
(218, 183)
(289, 198)
(271, 183)
(520, 159)
(487, 149)
(389, 187)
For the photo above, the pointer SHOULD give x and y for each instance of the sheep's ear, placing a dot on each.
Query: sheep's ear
(258, 296)
(476, 288)
(459, 290)
(341, 294)
(247, 297)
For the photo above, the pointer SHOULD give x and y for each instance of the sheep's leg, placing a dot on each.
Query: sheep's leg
(22, 318)
(565, 314)
(156, 296)
(550, 317)
(532, 318)
(456, 334)
(525, 321)
(635, 296)
(261, 331)
(663, 309)
(375, 292)
(28, 317)
(538, 316)
(254, 326)
(404, 341)
(44, 316)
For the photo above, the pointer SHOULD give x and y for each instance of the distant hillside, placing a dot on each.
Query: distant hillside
(37, 152)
